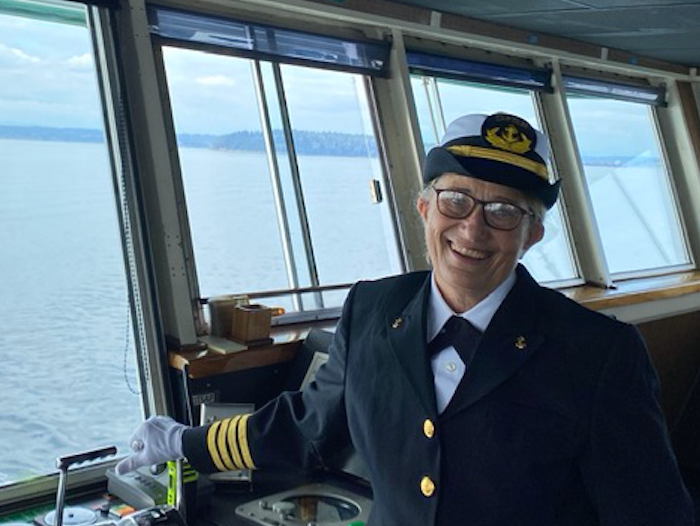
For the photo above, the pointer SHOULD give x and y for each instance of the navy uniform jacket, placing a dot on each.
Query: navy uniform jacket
(555, 422)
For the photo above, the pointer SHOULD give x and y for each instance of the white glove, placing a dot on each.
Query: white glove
(155, 441)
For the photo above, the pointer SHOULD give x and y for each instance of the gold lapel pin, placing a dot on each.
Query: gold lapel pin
(397, 322)
(520, 343)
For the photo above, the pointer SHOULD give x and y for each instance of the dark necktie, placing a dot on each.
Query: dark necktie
(459, 333)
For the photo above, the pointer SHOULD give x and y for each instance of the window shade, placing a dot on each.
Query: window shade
(270, 43)
(483, 72)
(612, 90)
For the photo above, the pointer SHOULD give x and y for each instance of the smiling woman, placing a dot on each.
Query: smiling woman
(468, 256)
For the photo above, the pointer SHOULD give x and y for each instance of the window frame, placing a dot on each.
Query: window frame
(655, 99)
(198, 302)
(148, 344)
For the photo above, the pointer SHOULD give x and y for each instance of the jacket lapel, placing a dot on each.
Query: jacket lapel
(509, 341)
(405, 325)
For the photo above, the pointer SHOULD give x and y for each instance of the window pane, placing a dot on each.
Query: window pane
(629, 185)
(549, 260)
(225, 172)
(66, 347)
(352, 236)
(241, 216)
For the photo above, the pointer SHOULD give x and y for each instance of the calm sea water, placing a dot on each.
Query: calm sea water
(236, 235)
(67, 368)
(66, 358)
(67, 362)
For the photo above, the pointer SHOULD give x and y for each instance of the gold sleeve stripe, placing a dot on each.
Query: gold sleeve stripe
(243, 442)
(221, 444)
(232, 430)
(211, 446)
(505, 157)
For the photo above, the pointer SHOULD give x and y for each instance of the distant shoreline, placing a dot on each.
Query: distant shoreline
(305, 142)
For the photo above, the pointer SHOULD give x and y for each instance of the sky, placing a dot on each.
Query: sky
(216, 94)
(42, 83)
(47, 78)
(45, 84)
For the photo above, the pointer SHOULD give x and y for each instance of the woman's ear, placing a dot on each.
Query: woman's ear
(422, 206)
(535, 235)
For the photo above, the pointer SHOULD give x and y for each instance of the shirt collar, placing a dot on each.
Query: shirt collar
(479, 315)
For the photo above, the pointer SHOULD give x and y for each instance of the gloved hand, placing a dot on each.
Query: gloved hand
(157, 440)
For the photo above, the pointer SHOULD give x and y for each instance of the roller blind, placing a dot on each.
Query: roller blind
(264, 42)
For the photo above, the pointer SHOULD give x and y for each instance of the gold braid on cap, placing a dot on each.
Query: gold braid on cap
(463, 150)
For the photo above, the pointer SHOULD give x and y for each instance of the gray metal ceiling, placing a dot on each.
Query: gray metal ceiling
(662, 29)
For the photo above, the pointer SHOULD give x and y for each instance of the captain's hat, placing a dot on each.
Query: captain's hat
(498, 148)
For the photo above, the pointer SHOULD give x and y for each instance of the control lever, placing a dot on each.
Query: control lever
(65, 462)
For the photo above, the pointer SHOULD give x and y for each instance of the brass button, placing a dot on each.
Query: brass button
(428, 428)
(427, 486)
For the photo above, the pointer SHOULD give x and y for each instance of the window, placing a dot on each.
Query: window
(629, 185)
(67, 350)
(278, 162)
(440, 101)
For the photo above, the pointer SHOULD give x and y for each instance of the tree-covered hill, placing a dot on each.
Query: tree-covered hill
(305, 142)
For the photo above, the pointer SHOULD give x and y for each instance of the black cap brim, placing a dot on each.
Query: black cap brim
(440, 161)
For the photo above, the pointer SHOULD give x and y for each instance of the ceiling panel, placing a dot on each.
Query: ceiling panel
(661, 29)
(604, 4)
(487, 9)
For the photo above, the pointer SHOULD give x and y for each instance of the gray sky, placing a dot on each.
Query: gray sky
(43, 82)
(47, 79)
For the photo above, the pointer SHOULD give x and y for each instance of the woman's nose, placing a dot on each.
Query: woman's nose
(475, 220)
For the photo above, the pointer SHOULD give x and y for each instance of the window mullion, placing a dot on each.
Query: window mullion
(275, 178)
(403, 148)
(142, 295)
(435, 107)
(296, 183)
(575, 197)
(681, 152)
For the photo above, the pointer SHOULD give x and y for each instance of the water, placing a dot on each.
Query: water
(69, 381)
(236, 235)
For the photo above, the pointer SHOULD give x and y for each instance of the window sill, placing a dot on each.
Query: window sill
(642, 299)
(634, 301)
(226, 356)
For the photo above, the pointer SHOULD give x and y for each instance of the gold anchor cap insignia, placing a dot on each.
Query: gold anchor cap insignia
(520, 343)
(508, 138)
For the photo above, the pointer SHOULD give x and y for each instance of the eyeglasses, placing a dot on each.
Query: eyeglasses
(497, 214)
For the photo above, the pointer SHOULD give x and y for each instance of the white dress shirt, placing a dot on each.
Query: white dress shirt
(448, 367)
